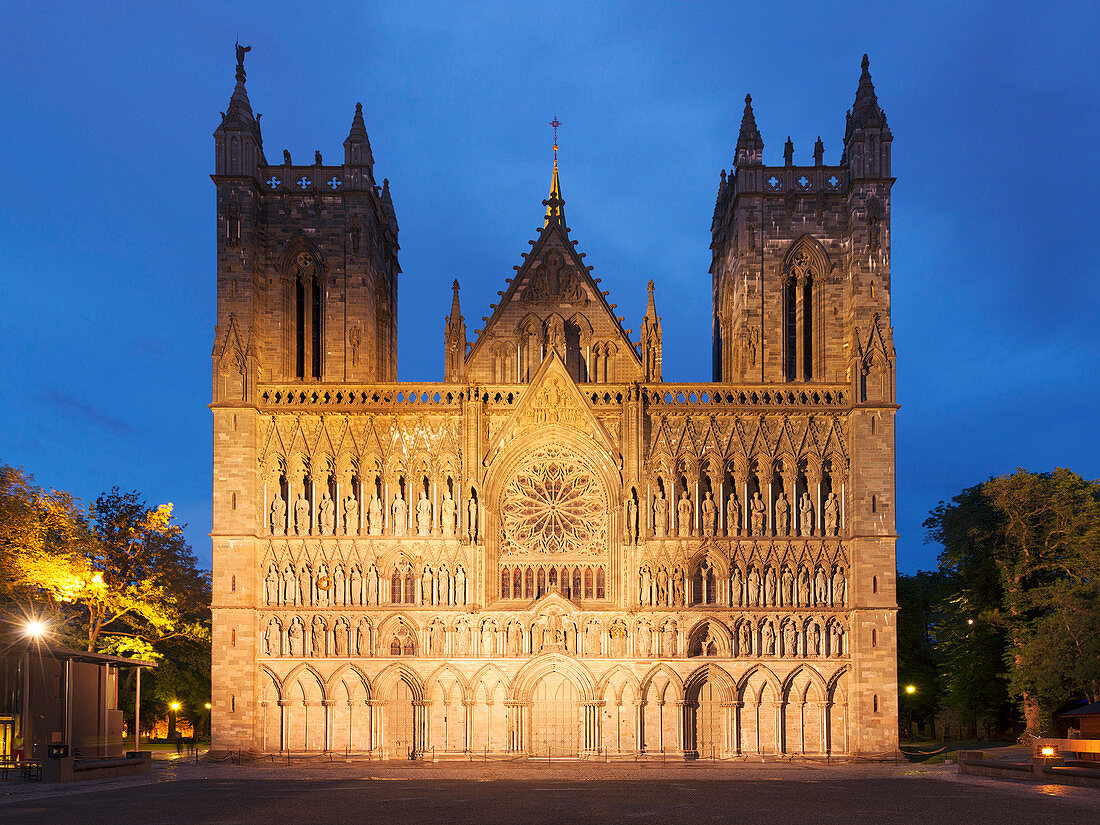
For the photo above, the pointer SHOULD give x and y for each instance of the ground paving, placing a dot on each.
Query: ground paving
(456, 793)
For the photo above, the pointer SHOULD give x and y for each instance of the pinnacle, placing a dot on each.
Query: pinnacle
(866, 113)
(750, 145)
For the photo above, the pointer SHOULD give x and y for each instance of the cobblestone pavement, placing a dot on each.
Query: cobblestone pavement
(571, 792)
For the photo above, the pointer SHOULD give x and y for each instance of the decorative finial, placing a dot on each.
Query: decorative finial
(454, 285)
(555, 123)
(866, 63)
(241, 52)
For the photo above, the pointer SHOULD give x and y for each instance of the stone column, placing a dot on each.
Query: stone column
(283, 723)
(327, 705)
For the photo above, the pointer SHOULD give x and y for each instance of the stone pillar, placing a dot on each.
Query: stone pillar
(283, 723)
(327, 705)
(778, 714)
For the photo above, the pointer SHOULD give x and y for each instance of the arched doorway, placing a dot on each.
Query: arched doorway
(401, 721)
(705, 735)
(556, 728)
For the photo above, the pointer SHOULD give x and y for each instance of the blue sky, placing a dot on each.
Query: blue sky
(107, 228)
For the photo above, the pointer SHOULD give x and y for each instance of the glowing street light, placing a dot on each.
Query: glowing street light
(35, 629)
(208, 706)
(1048, 751)
(175, 706)
(910, 689)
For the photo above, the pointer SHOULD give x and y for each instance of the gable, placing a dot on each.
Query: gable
(553, 304)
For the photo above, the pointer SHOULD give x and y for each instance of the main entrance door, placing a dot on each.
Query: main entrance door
(707, 710)
(556, 723)
(400, 725)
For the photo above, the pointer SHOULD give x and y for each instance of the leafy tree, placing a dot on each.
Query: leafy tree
(1024, 550)
(920, 622)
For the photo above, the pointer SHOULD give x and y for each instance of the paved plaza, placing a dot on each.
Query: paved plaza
(560, 792)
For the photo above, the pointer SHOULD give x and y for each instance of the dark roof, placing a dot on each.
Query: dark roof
(1084, 710)
(62, 652)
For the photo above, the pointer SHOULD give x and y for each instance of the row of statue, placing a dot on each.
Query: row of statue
(807, 637)
(302, 586)
(667, 587)
(758, 517)
(303, 523)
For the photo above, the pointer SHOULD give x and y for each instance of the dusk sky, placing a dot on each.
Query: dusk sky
(108, 223)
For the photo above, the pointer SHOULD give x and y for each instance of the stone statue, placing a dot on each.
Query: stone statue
(787, 588)
(294, 639)
(806, 515)
(372, 586)
(271, 586)
(684, 515)
(460, 585)
(737, 587)
(789, 648)
(769, 587)
(782, 516)
(769, 639)
(324, 585)
(374, 516)
(340, 639)
(759, 514)
(241, 52)
(305, 585)
(278, 516)
(355, 585)
(821, 588)
(271, 638)
(668, 640)
(641, 641)
(838, 588)
(400, 513)
(362, 638)
(444, 586)
(290, 586)
(803, 588)
(471, 520)
(710, 515)
(427, 592)
(301, 516)
(678, 586)
(618, 641)
(488, 640)
(351, 516)
(436, 640)
(745, 644)
(816, 639)
(448, 511)
(660, 515)
(644, 593)
(318, 637)
(286, 157)
(832, 515)
(423, 515)
(327, 511)
(317, 158)
(462, 639)
(662, 587)
(592, 639)
(631, 520)
(754, 588)
(511, 637)
(733, 515)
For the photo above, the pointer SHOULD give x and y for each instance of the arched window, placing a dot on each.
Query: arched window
(304, 280)
(874, 703)
(395, 587)
(874, 584)
(804, 269)
(601, 590)
(576, 583)
(874, 504)
(541, 584)
(517, 584)
(697, 587)
(553, 578)
(588, 583)
(410, 588)
(874, 637)
(505, 584)
(395, 647)
(711, 585)
(712, 649)
(407, 647)
(529, 584)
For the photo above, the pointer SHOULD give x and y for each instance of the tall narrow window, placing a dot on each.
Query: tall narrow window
(317, 327)
(505, 584)
(601, 584)
(300, 329)
(808, 329)
(790, 322)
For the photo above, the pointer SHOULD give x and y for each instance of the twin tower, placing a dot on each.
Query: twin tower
(556, 549)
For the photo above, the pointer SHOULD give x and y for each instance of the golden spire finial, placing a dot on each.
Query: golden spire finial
(554, 210)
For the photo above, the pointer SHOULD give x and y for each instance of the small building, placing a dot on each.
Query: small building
(55, 698)
(1085, 718)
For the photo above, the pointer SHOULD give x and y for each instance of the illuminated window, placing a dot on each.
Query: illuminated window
(600, 584)
(395, 587)
(505, 584)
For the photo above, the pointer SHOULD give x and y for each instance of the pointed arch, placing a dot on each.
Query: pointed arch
(674, 680)
(805, 267)
(627, 676)
(763, 672)
(305, 670)
(714, 674)
(386, 681)
(811, 674)
(447, 670)
(532, 672)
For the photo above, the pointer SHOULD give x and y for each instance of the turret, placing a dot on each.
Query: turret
(651, 340)
(358, 158)
(867, 136)
(750, 146)
(454, 348)
(238, 146)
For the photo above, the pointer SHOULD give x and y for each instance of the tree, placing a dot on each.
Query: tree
(920, 620)
(1024, 550)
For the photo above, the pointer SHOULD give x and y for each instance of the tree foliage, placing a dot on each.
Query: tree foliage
(1021, 553)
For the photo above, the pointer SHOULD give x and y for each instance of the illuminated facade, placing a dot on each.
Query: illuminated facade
(554, 551)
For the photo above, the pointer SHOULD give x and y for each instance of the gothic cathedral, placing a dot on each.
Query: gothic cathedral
(555, 551)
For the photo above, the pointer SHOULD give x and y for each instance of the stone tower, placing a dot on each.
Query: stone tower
(801, 299)
(557, 549)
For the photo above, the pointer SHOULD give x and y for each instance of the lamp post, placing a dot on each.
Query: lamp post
(909, 691)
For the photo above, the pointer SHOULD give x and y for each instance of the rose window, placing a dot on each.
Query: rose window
(553, 504)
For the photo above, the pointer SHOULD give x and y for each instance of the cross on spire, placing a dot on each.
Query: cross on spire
(555, 123)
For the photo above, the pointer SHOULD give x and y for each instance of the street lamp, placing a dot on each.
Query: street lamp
(35, 629)
(909, 691)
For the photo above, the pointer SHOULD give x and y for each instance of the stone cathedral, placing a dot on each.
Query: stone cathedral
(555, 551)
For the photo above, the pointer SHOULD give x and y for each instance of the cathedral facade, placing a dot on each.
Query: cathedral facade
(555, 551)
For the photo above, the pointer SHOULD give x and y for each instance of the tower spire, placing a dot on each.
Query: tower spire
(867, 136)
(454, 345)
(554, 211)
(750, 146)
(651, 340)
